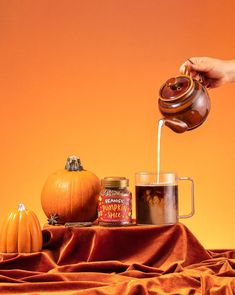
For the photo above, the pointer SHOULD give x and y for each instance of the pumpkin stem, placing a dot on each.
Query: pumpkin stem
(73, 164)
(21, 207)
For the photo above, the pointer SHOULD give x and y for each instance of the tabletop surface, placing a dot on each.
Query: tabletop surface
(119, 260)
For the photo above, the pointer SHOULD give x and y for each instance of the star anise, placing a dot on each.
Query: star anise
(53, 219)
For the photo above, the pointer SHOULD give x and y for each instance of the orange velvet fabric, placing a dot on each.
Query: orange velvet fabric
(119, 260)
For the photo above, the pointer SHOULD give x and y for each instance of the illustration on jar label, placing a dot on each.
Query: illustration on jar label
(114, 209)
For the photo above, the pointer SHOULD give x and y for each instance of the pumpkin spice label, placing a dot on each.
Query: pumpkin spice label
(114, 209)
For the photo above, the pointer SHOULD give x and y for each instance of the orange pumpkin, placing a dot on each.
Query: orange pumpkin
(71, 194)
(21, 232)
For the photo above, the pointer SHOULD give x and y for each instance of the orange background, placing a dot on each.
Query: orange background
(82, 77)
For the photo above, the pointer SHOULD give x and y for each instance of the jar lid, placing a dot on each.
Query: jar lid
(115, 182)
(175, 88)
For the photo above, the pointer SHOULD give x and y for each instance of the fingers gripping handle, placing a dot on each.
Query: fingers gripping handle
(192, 198)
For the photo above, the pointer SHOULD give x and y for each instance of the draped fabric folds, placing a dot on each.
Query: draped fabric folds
(119, 260)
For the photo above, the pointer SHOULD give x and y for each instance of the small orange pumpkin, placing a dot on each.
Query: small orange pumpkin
(71, 194)
(21, 232)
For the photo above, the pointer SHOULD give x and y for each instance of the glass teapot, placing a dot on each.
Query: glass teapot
(184, 103)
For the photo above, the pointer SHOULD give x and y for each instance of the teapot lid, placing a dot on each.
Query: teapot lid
(175, 88)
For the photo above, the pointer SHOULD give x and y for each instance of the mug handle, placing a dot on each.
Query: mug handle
(192, 198)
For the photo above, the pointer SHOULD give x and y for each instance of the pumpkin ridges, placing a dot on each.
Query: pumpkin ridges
(12, 234)
(39, 230)
(24, 240)
(66, 210)
(85, 192)
(35, 231)
(15, 232)
(60, 195)
(3, 234)
(81, 182)
(92, 189)
(72, 187)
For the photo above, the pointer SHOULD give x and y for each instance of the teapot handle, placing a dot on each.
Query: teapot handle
(201, 78)
(186, 70)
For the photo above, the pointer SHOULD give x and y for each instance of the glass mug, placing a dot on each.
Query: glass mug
(157, 198)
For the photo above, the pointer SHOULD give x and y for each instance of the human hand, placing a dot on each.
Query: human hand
(213, 72)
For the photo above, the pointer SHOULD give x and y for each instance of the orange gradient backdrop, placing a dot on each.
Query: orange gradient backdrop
(82, 77)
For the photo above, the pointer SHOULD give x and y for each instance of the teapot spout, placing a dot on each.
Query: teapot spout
(176, 125)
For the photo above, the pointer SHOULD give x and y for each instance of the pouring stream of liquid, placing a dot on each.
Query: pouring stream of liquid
(160, 125)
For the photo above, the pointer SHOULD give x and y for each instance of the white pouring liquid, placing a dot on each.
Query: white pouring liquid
(160, 125)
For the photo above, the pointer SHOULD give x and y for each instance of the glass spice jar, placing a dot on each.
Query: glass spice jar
(115, 202)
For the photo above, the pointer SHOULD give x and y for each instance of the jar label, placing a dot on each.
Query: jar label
(114, 209)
